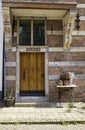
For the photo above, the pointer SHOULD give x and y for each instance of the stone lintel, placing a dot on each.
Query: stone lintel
(42, 5)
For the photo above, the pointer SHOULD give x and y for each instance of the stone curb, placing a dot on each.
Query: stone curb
(63, 122)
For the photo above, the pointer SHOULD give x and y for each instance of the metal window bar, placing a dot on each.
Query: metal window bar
(25, 32)
(39, 32)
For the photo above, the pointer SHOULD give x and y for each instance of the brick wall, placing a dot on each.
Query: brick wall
(66, 61)
(10, 70)
(79, 70)
(81, 1)
(68, 94)
(66, 56)
(54, 40)
(78, 41)
(62, 69)
(55, 24)
(10, 56)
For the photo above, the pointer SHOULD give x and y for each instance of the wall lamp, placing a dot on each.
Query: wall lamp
(77, 20)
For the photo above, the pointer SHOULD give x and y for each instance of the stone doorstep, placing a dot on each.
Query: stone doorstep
(29, 98)
(32, 102)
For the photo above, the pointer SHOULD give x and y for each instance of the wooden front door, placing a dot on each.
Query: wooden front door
(32, 80)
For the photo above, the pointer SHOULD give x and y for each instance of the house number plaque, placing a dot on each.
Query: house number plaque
(33, 49)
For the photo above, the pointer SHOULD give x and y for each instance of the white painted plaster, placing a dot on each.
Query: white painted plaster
(70, 49)
(10, 77)
(10, 64)
(69, 63)
(56, 77)
(81, 6)
(79, 33)
(49, 32)
(82, 17)
(13, 49)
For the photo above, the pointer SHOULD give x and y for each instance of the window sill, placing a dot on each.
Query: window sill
(67, 86)
(31, 46)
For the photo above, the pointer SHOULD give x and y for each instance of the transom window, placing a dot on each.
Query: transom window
(32, 32)
(24, 32)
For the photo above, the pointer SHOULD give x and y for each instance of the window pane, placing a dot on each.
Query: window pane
(24, 32)
(39, 32)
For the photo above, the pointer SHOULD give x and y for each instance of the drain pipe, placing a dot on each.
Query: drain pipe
(1, 51)
(3, 68)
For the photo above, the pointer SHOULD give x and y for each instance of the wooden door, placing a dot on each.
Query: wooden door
(32, 74)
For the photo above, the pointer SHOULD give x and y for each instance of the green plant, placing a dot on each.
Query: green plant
(9, 93)
(70, 105)
(65, 123)
(9, 99)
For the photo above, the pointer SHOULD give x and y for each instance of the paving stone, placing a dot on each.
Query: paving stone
(36, 114)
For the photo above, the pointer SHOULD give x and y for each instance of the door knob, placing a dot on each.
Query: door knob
(43, 75)
(24, 74)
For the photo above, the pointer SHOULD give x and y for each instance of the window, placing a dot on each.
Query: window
(32, 32)
(24, 32)
(39, 32)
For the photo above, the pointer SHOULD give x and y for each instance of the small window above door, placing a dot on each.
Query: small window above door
(25, 32)
(39, 32)
(32, 32)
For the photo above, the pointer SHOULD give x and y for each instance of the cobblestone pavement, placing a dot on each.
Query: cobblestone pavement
(42, 115)
(42, 127)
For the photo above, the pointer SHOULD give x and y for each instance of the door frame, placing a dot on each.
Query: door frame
(20, 49)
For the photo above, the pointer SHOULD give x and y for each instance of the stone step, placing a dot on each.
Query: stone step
(33, 102)
(32, 99)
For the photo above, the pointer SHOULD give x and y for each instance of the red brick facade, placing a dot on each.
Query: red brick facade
(67, 60)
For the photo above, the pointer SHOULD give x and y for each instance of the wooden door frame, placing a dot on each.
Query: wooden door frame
(18, 72)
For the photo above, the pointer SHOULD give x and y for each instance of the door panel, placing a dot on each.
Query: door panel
(31, 87)
(32, 72)
(36, 71)
(40, 72)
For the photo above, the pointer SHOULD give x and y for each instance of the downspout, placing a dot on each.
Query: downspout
(3, 69)
(1, 51)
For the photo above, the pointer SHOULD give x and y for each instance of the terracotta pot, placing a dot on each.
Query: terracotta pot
(66, 82)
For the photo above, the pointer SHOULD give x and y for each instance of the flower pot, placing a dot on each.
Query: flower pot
(66, 82)
(9, 102)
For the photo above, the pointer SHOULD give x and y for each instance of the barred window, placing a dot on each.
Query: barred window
(24, 32)
(32, 32)
(38, 32)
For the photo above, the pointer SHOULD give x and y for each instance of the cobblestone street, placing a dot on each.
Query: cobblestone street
(40, 115)
(42, 127)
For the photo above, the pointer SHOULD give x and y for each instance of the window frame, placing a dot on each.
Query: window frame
(32, 19)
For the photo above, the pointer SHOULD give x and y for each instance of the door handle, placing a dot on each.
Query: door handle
(24, 74)
(43, 75)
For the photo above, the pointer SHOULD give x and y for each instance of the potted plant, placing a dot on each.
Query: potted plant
(9, 99)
